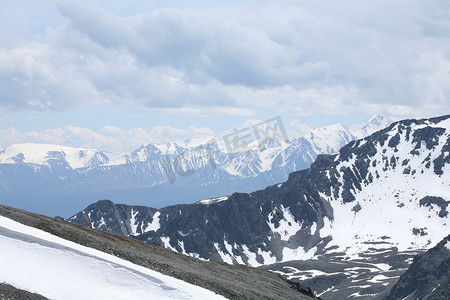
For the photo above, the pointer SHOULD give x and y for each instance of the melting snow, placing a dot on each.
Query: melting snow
(383, 267)
(267, 257)
(133, 224)
(225, 257)
(313, 228)
(378, 279)
(181, 233)
(298, 253)
(250, 256)
(166, 242)
(212, 200)
(154, 225)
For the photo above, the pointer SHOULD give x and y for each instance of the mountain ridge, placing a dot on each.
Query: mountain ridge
(85, 158)
(304, 217)
(156, 174)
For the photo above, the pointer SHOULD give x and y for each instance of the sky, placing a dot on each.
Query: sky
(113, 75)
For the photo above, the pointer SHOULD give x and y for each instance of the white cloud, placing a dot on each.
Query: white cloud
(305, 57)
(297, 128)
(109, 138)
(6, 119)
(11, 136)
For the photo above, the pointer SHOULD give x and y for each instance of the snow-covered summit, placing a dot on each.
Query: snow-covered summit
(375, 123)
(329, 139)
(43, 154)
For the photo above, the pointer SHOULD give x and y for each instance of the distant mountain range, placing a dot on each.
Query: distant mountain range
(379, 198)
(62, 180)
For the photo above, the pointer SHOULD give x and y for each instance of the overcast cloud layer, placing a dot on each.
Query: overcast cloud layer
(294, 57)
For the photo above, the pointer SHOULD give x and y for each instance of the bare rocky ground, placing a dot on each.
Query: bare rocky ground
(231, 281)
(8, 292)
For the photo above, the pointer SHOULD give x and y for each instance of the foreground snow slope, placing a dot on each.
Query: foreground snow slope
(42, 263)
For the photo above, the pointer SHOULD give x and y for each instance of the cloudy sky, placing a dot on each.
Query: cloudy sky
(117, 74)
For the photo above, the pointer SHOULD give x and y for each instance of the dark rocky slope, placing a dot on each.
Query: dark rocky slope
(8, 292)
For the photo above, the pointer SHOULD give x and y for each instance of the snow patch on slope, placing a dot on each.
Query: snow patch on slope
(224, 256)
(287, 226)
(298, 253)
(154, 225)
(447, 245)
(133, 225)
(212, 200)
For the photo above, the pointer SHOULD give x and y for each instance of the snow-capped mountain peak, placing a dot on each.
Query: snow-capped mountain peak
(44, 154)
(329, 139)
(375, 123)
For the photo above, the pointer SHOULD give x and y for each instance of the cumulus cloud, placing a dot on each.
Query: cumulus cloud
(297, 128)
(299, 58)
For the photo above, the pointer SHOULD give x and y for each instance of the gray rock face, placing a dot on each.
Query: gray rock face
(349, 203)
(430, 201)
(428, 277)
